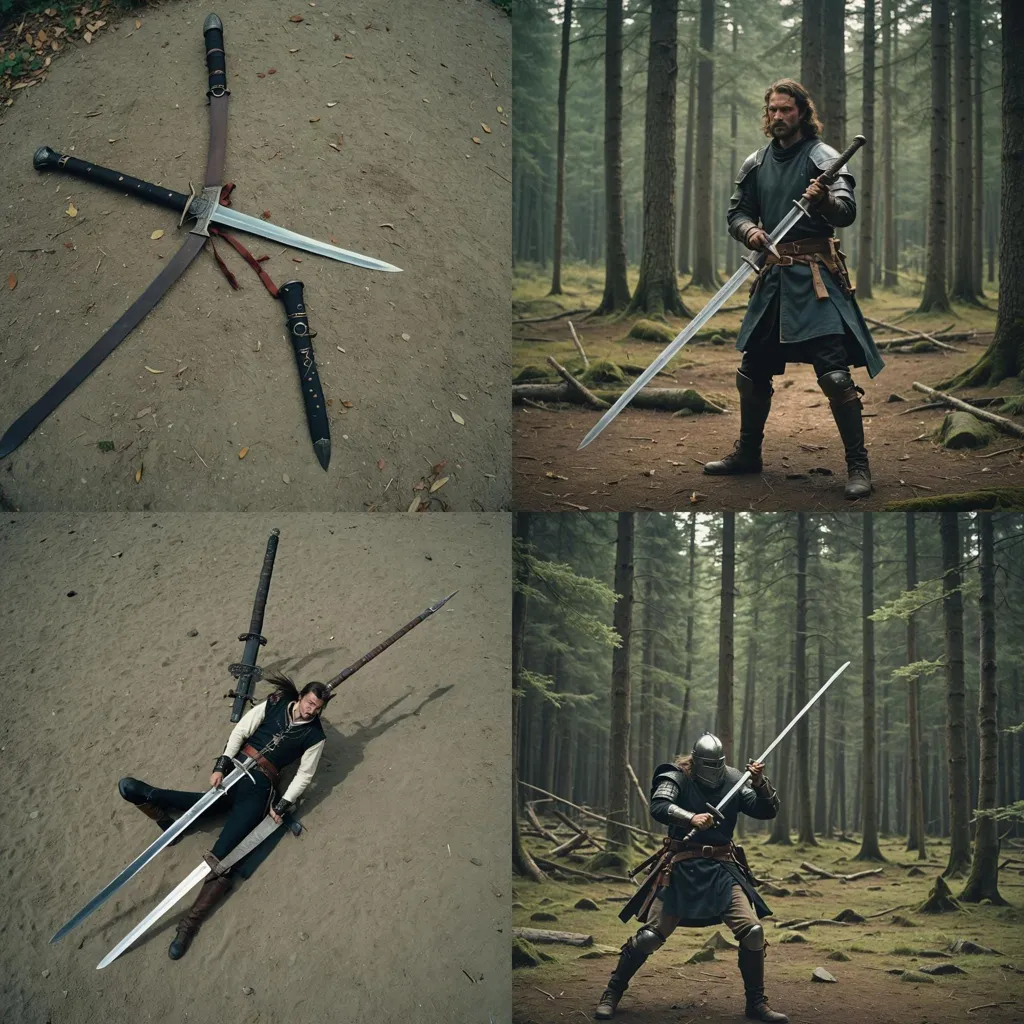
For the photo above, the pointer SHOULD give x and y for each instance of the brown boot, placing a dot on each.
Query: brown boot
(213, 889)
(635, 950)
(752, 970)
(844, 398)
(746, 454)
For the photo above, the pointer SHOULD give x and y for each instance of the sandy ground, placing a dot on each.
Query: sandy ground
(412, 81)
(394, 904)
(654, 460)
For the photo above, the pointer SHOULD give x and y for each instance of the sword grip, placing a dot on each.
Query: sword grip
(46, 159)
(832, 172)
(297, 319)
(213, 34)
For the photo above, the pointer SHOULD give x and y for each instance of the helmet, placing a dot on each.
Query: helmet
(709, 761)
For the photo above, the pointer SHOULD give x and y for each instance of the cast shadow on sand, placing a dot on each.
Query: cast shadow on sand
(342, 754)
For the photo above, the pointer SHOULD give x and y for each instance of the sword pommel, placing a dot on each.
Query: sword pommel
(45, 159)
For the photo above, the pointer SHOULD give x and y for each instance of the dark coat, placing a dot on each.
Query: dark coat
(701, 890)
(768, 183)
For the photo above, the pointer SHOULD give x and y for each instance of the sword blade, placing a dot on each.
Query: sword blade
(150, 852)
(782, 735)
(255, 226)
(714, 305)
(193, 879)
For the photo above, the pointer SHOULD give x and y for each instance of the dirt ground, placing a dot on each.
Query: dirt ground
(402, 88)
(653, 460)
(394, 903)
(868, 989)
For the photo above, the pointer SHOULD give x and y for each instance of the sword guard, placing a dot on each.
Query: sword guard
(237, 669)
(715, 813)
(244, 767)
(184, 213)
(751, 261)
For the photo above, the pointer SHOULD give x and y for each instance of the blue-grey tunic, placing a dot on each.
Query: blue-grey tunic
(768, 183)
(700, 891)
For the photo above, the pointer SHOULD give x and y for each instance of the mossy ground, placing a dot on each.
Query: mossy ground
(873, 948)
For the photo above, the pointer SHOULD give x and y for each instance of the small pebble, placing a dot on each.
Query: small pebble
(193, 632)
(476, 861)
(46, 973)
(820, 974)
(34, 815)
(247, 990)
(303, 936)
(405, 337)
(286, 478)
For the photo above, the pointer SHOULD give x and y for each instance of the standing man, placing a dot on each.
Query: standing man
(290, 717)
(802, 309)
(698, 883)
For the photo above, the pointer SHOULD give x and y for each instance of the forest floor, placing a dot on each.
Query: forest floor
(654, 460)
(880, 981)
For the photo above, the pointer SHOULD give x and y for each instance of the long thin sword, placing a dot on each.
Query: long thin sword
(750, 266)
(263, 830)
(716, 809)
(205, 208)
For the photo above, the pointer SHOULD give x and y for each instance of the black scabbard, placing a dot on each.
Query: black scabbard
(290, 293)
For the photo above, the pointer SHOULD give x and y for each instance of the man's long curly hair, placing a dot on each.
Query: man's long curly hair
(809, 121)
(684, 762)
(285, 689)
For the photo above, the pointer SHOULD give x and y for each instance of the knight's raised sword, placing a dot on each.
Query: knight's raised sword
(751, 265)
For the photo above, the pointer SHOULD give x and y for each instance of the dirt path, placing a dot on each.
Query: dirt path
(401, 88)
(651, 460)
(126, 677)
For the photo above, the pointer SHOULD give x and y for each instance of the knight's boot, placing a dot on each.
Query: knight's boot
(745, 457)
(138, 793)
(844, 398)
(752, 970)
(634, 952)
(213, 889)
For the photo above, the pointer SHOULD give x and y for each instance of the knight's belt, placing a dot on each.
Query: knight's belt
(812, 252)
(271, 771)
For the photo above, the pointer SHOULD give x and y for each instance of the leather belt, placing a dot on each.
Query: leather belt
(269, 770)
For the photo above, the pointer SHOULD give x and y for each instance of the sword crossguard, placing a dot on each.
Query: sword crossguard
(715, 813)
(244, 767)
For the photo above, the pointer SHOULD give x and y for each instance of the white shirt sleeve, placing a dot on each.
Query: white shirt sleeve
(247, 725)
(304, 773)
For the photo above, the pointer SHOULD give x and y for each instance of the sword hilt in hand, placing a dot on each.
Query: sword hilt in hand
(832, 171)
(213, 33)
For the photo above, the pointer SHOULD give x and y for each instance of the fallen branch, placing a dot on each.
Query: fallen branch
(914, 334)
(799, 926)
(589, 813)
(563, 817)
(985, 1006)
(537, 935)
(579, 346)
(666, 399)
(882, 913)
(822, 873)
(535, 821)
(568, 846)
(602, 877)
(636, 782)
(903, 345)
(585, 395)
(1005, 425)
(554, 316)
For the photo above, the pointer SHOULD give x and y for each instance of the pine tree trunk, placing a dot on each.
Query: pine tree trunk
(645, 761)
(819, 783)
(915, 801)
(956, 734)
(686, 208)
(522, 862)
(869, 849)
(616, 287)
(688, 667)
(812, 46)
(563, 85)
(618, 740)
(866, 189)
(963, 273)
(834, 70)
(657, 290)
(779, 834)
(732, 247)
(726, 657)
(935, 297)
(890, 277)
(983, 882)
(704, 273)
(747, 722)
(977, 252)
(805, 823)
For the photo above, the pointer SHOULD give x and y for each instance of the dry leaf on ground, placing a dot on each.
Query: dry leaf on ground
(438, 484)
(72, 210)
(458, 419)
(159, 233)
(242, 454)
(12, 281)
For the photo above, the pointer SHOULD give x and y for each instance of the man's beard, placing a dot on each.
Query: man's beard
(785, 131)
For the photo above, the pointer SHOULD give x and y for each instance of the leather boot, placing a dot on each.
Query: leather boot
(138, 793)
(844, 398)
(752, 970)
(746, 454)
(213, 889)
(631, 959)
